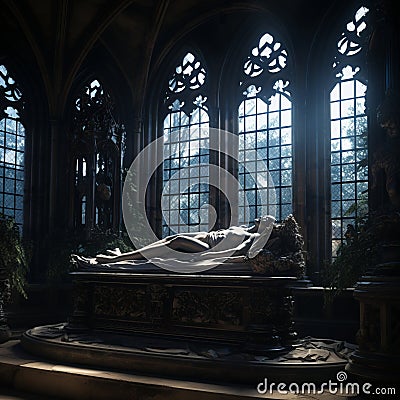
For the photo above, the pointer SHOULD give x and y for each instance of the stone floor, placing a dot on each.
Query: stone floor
(25, 377)
(11, 394)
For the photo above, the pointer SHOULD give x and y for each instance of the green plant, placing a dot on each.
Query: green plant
(357, 254)
(13, 256)
(59, 250)
(358, 251)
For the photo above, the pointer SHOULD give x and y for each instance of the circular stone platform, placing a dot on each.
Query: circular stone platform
(308, 360)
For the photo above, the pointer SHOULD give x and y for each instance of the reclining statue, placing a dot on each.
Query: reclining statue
(266, 248)
(234, 241)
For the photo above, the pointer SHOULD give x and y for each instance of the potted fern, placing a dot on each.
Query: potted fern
(13, 267)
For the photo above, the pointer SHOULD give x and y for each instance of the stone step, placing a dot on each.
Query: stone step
(12, 394)
(21, 373)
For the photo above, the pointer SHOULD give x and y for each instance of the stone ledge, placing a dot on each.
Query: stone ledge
(23, 372)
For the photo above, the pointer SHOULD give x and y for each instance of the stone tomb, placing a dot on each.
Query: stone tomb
(232, 323)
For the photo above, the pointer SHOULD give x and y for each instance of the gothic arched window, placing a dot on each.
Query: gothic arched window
(265, 132)
(97, 146)
(349, 175)
(186, 154)
(12, 146)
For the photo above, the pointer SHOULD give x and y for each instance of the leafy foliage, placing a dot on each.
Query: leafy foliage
(14, 255)
(358, 251)
(59, 251)
(357, 254)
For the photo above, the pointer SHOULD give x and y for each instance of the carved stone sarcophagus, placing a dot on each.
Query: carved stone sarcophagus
(250, 311)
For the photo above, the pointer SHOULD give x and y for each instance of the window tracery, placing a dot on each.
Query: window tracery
(12, 147)
(268, 55)
(186, 154)
(265, 125)
(349, 173)
(97, 152)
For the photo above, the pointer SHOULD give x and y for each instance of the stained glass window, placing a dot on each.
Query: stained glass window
(349, 174)
(12, 146)
(265, 134)
(186, 154)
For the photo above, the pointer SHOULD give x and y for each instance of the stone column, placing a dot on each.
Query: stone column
(378, 357)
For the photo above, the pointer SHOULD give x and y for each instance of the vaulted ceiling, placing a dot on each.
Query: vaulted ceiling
(60, 34)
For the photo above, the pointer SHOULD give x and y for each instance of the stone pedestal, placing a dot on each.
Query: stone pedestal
(378, 357)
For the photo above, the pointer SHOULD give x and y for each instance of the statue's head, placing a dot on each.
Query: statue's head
(264, 226)
(263, 222)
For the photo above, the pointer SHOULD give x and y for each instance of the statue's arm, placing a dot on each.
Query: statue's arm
(240, 250)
